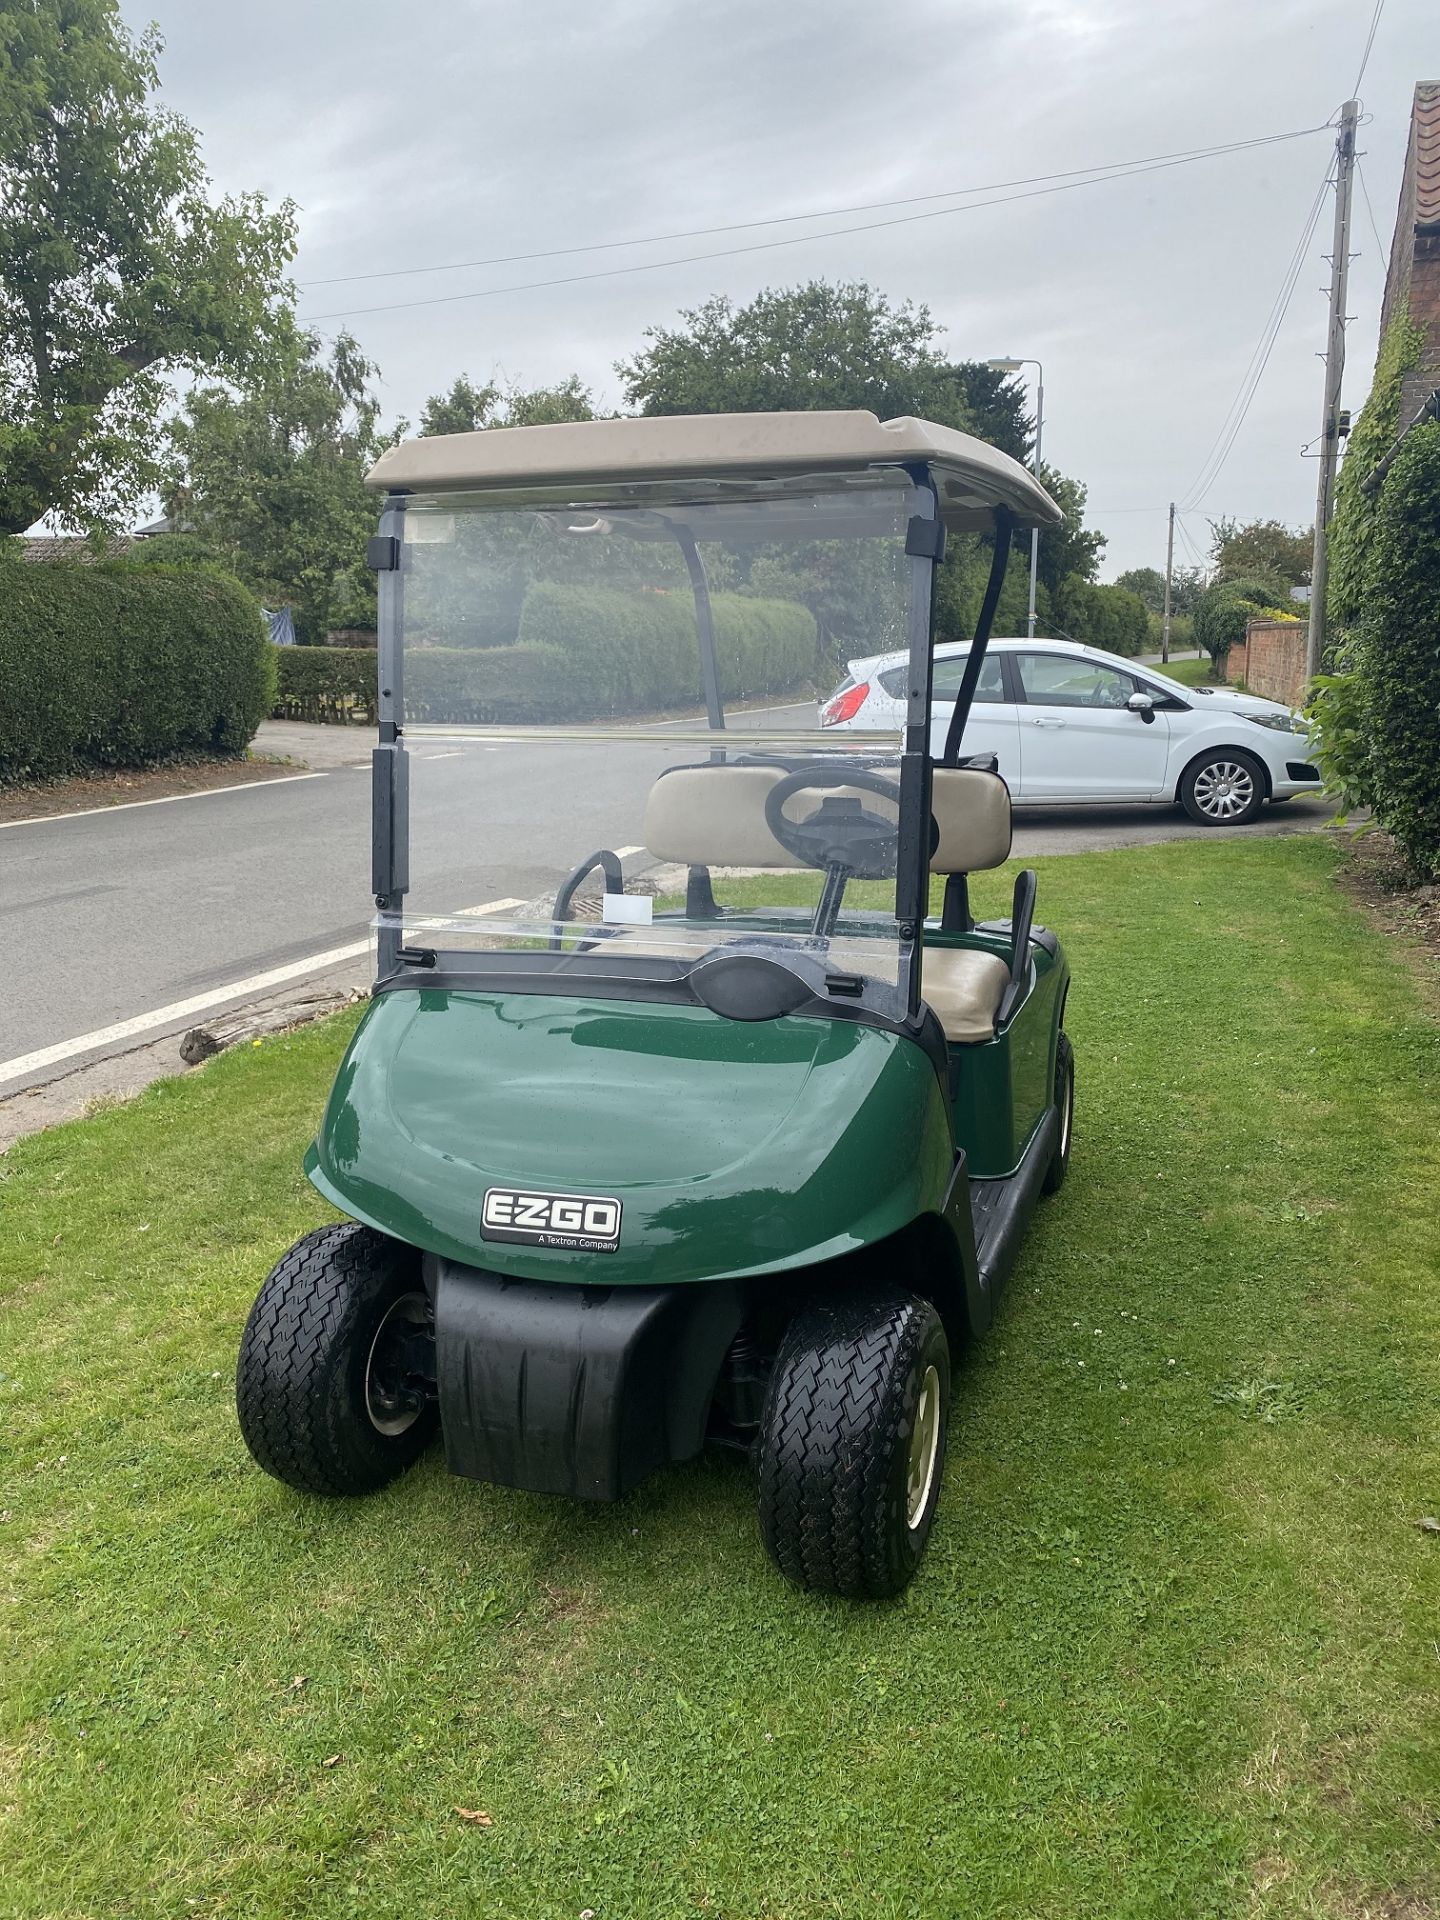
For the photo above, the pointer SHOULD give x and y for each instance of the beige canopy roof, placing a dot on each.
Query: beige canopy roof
(973, 477)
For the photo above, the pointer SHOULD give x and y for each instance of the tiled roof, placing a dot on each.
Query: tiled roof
(60, 546)
(1426, 135)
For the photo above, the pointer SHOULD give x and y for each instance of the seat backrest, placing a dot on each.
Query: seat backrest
(714, 816)
(972, 810)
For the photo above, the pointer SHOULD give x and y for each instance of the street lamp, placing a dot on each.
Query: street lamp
(1014, 366)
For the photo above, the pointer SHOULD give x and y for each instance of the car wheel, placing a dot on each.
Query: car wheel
(327, 1385)
(1065, 1104)
(1223, 789)
(852, 1444)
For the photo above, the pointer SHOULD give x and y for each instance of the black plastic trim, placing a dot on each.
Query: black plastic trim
(382, 553)
(1002, 1208)
(575, 1388)
(925, 539)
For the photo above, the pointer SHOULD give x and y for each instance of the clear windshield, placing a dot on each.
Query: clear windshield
(615, 757)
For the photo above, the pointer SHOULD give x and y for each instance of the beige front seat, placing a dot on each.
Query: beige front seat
(714, 816)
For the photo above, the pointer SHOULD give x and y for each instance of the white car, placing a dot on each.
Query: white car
(1071, 724)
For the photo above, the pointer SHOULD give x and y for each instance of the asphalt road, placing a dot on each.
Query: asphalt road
(112, 917)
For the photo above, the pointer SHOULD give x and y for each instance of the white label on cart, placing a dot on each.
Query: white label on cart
(570, 1222)
(627, 909)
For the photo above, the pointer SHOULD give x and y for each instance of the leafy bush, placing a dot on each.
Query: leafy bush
(123, 665)
(1352, 528)
(1182, 633)
(1398, 654)
(1223, 612)
(1110, 617)
(632, 651)
(495, 686)
(1340, 739)
(328, 684)
(584, 652)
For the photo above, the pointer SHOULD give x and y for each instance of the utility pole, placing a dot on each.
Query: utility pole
(1169, 572)
(1334, 371)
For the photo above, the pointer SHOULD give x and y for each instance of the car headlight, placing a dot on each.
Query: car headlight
(1276, 722)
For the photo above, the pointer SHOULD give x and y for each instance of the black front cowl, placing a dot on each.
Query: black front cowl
(574, 1389)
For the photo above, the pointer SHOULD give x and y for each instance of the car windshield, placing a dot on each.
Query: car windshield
(613, 745)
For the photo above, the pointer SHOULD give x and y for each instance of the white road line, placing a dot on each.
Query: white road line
(163, 800)
(178, 1010)
(625, 853)
(490, 906)
(201, 1002)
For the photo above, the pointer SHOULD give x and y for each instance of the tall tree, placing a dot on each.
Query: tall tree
(820, 346)
(1264, 548)
(466, 408)
(271, 476)
(813, 346)
(1148, 582)
(116, 268)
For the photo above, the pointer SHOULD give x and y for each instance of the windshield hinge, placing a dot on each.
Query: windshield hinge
(416, 956)
(849, 985)
(382, 553)
(925, 539)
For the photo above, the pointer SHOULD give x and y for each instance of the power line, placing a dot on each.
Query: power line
(1369, 43)
(1259, 359)
(1103, 168)
(1374, 224)
(1157, 165)
(1188, 543)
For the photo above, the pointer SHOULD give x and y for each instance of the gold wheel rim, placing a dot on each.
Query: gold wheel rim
(924, 1449)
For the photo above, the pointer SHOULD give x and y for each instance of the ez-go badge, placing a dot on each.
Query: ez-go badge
(576, 1222)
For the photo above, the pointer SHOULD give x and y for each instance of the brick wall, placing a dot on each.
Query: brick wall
(1272, 660)
(1412, 284)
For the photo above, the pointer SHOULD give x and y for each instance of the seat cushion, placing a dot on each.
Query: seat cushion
(964, 987)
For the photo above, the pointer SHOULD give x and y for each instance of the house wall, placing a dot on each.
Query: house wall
(1272, 661)
(1412, 284)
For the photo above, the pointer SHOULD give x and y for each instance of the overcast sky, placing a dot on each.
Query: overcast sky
(466, 129)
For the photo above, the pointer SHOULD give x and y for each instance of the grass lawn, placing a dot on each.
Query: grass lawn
(1190, 673)
(1173, 1651)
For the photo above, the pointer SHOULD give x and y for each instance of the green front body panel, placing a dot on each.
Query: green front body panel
(734, 1147)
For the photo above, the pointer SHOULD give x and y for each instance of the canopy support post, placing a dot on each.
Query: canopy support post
(1004, 529)
(704, 626)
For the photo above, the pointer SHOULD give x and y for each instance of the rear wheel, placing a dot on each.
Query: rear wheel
(330, 1383)
(1225, 788)
(1065, 1105)
(852, 1443)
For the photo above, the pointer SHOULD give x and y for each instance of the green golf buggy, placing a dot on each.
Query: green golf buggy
(691, 1103)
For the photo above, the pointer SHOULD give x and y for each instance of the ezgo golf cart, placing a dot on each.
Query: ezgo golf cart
(675, 1114)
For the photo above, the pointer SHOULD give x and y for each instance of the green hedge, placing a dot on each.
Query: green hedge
(630, 651)
(1399, 651)
(584, 653)
(328, 684)
(123, 666)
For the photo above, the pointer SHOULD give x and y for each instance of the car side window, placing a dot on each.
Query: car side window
(1070, 680)
(949, 673)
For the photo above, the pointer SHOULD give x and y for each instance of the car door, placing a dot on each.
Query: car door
(1078, 738)
(992, 727)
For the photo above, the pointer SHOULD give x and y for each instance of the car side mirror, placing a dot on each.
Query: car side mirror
(1142, 704)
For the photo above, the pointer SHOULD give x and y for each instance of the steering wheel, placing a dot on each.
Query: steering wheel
(842, 833)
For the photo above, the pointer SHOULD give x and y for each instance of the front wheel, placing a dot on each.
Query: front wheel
(331, 1382)
(1223, 789)
(852, 1444)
